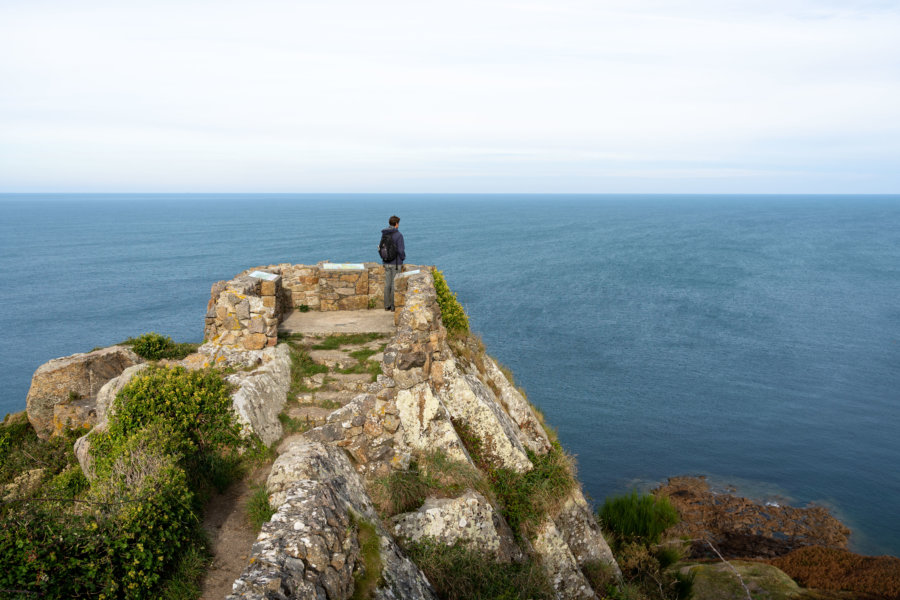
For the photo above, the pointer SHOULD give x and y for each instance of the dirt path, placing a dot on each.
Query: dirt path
(230, 535)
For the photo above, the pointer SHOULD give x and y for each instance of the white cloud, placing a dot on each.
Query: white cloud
(466, 96)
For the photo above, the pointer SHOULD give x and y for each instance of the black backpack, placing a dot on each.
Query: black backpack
(386, 248)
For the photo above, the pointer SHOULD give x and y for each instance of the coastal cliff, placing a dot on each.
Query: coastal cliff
(439, 399)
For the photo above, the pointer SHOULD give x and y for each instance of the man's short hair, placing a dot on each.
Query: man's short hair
(394, 221)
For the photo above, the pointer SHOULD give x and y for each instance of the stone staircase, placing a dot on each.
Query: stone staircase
(334, 389)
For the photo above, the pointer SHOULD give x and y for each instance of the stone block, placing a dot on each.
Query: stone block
(255, 341)
(353, 303)
(257, 325)
(269, 301)
(268, 288)
(242, 309)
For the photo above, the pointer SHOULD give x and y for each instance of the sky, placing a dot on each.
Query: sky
(561, 96)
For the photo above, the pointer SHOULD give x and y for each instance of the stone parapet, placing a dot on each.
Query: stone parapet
(245, 311)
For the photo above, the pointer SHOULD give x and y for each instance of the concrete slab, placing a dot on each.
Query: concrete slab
(338, 321)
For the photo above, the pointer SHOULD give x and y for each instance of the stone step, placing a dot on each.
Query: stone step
(358, 382)
(333, 358)
(314, 414)
(341, 397)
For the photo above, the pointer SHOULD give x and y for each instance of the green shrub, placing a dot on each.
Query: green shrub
(193, 409)
(154, 346)
(526, 498)
(635, 516)
(452, 313)
(458, 573)
(22, 450)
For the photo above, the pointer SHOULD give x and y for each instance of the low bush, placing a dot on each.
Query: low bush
(154, 346)
(22, 450)
(193, 411)
(458, 573)
(638, 516)
(835, 569)
(452, 313)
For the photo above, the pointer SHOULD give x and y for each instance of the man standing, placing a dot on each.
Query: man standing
(393, 253)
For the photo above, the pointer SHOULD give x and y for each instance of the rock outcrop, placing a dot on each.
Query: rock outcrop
(64, 390)
(261, 393)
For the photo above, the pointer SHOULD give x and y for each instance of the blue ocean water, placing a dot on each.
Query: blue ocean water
(754, 339)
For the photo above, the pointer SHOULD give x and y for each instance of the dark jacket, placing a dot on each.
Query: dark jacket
(398, 244)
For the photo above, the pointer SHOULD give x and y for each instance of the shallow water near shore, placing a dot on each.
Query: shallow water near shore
(755, 339)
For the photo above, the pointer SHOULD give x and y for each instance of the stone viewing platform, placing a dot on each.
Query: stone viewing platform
(247, 310)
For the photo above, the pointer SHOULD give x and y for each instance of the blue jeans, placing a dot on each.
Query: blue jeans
(390, 271)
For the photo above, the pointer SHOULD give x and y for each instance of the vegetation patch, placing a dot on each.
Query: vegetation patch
(134, 532)
(636, 516)
(458, 573)
(290, 425)
(22, 450)
(435, 474)
(335, 341)
(835, 569)
(367, 577)
(259, 510)
(524, 498)
(154, 346)
(302, 367)
(452, 313)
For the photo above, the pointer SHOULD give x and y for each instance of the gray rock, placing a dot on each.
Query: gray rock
(261, 394)
(82, 375)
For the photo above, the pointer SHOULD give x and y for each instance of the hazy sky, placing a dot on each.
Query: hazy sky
(390, 96)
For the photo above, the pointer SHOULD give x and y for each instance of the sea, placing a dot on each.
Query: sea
(751, 339)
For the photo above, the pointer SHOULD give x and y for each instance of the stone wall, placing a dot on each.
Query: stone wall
(245, 311)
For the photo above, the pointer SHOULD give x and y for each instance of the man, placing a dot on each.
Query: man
(393, 253)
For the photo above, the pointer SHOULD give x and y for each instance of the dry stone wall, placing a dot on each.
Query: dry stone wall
(245, 312)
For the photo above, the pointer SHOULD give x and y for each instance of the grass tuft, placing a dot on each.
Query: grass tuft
(458, 573)
(258, 509)
(636, 516)
(435, 474)
(333, 342)
(366, 579)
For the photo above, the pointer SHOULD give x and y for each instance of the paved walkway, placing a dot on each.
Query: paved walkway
(376, 320)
